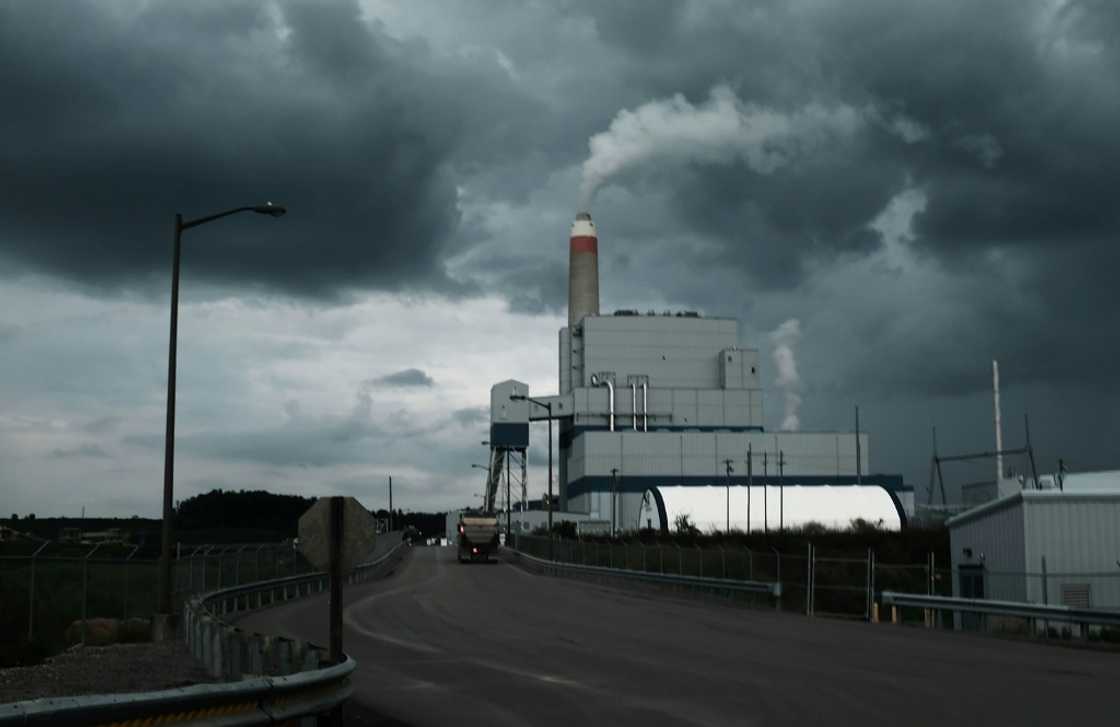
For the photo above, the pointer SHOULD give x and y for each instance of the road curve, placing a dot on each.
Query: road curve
(439, 643)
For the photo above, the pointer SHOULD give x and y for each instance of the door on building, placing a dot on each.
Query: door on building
(972, 586)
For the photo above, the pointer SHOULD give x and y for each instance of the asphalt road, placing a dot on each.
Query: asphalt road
(439, 643)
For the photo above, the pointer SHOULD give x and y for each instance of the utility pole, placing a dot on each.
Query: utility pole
(390, 503)
(781, 491)
(750, 483)
(727, 463)
(859, 459)
(1030, 451)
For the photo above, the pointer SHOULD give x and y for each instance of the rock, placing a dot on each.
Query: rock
(99, 632)
(135, 630)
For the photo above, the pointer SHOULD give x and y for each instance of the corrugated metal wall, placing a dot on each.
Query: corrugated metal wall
(996, 540)
(1079, 535)
(703, 453)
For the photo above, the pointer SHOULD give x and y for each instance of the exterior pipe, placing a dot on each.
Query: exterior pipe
(634, 404)
(645, 406)
(610, 397)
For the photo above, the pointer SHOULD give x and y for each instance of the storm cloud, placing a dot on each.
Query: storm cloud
(120, 115)
(403, 378)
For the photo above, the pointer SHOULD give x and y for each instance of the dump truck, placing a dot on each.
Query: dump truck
(478, 536)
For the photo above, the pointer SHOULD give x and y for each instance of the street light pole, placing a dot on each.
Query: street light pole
(614, 488)
(164, 605)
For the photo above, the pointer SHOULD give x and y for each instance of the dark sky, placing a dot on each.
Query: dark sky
(924, 186)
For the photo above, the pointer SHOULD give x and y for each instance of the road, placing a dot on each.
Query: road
(439, 643)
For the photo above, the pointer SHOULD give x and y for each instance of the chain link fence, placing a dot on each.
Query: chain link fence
(834, 582)
(46, 591)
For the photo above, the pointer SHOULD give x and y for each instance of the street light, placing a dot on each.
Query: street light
(548, 406)
(165, 585)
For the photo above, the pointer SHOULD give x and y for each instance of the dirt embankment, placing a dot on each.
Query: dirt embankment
(120, 668)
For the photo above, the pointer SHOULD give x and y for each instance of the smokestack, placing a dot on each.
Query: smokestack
(583, 270)
(999, 429)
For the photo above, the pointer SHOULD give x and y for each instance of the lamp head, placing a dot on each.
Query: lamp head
(273, 210)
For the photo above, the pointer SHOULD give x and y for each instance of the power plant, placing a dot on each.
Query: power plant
(653, 408)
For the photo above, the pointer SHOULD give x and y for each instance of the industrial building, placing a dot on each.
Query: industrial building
(1040, 546)
(660, 400)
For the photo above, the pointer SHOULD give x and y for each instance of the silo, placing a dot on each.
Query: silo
(583, 270)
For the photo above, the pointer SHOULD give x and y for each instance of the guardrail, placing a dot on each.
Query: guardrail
(695, 582)
(272, 679)
(1042, 612)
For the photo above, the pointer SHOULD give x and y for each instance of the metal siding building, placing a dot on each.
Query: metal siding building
(1065, 542)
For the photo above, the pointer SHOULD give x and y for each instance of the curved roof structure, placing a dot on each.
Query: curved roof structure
(707, 507)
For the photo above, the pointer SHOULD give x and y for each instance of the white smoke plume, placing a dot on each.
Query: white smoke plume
(784, 339)
(717, 131)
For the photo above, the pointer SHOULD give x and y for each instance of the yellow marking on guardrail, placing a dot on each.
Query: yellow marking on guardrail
(191, 716)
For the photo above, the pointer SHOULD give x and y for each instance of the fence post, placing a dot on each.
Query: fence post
(867, 611)
(723, 559)
(813, 587)
(875, 562)
(1045, 589)
(1045, 596)
(85, 589)
(778, 554)
(124, 605)
(927, 614)
(31, 595)
(809, 580)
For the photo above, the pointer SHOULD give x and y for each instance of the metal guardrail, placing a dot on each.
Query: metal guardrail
(1021, 609)
(301, 689)
(699, 582)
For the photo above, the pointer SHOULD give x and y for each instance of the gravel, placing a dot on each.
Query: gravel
(113, 669)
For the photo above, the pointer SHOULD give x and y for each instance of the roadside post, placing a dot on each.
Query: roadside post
(335, 535)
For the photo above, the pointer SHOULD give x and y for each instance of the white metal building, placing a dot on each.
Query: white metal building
(768, 508)
(1040, 546)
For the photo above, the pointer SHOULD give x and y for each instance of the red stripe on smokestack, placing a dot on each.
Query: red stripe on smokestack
(585, 244)
(583, 270)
